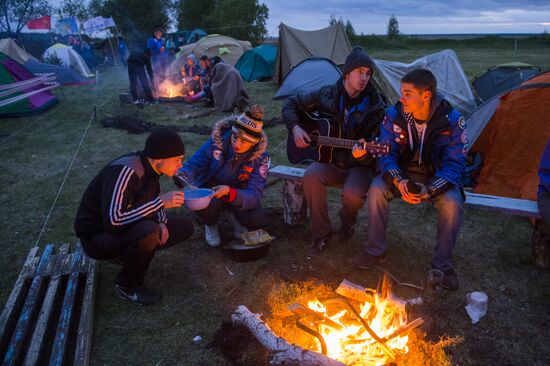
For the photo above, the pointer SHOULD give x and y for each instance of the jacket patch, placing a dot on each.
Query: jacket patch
(245, 173)
(464, 137)
(217, 154)
(462, 123)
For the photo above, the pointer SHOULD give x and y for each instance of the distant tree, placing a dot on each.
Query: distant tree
(393, 28)
(350, 32)
(74, 8)
(241, 19)
(332, 20)
(132, 18)
(14, 14)
(191, 14)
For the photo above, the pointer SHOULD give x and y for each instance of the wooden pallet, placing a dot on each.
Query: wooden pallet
(48, 318)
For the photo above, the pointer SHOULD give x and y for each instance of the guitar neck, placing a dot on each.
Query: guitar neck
(336, 142)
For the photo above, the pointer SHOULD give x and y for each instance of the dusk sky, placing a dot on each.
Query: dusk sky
(415, 17)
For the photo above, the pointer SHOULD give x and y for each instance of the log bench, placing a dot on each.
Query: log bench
(48, 317)
(295, 208)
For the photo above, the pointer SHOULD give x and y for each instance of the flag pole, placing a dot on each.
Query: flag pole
(112, 50)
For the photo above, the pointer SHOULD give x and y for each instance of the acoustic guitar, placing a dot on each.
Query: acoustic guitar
(325, 137)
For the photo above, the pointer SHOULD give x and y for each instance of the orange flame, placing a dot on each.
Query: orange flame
(353, 345)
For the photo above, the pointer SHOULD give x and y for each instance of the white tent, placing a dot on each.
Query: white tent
(452, 83)
(68, 57)
(10, 48)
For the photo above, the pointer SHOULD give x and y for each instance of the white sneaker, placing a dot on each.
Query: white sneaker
(212, 235)
(238, 229)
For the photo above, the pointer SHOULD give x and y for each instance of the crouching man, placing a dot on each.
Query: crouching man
(427, 140)
(234, 162)
(122, 213)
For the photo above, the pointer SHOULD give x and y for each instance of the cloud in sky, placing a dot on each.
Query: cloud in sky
(415, 17)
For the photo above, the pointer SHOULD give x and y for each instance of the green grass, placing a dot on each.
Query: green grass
(492, 254)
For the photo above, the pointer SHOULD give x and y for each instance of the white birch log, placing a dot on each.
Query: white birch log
(280, 349)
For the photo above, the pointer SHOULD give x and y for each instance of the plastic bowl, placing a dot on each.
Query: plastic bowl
(197, 199)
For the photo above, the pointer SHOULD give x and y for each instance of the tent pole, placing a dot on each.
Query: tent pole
(112, 51)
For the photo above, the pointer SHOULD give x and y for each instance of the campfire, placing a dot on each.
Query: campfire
(357, 326)
(169, 91)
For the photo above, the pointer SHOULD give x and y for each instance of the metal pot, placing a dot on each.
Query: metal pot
(197, 199)
(246, 253)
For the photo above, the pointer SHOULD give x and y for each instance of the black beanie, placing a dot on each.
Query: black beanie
(163, 143)
(357, 58)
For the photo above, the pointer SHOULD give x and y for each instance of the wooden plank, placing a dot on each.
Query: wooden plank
(286, 172)
(29, 311)
(503, 204)
(67, 311)
(15, 301)
(85, 328)
(44, 317)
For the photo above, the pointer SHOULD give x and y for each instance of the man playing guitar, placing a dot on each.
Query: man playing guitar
(358, 109)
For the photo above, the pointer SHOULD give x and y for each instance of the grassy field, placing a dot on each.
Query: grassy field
(201, 285)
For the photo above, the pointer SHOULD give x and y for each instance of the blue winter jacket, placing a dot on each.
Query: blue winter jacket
(444, 147)
(209, 166)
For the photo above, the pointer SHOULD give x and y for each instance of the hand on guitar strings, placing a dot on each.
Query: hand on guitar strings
(301, 137)
(358, 151)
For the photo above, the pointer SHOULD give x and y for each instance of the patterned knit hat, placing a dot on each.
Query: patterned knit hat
(248, 125)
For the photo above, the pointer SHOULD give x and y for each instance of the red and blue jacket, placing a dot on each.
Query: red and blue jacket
(215, 163)
(444, 147)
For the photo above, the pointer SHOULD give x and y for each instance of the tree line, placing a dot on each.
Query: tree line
(241, 19)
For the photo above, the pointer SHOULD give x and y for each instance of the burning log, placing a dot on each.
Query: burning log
(282, 351)
(301, 310)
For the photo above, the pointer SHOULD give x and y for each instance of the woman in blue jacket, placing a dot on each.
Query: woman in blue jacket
(234, 162)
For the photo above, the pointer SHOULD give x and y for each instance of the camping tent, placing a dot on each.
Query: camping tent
(295, 45)
(11, 72)
(65, 75)
(229, 49)
(310, 74)
(452, 83)
(68, 57)
(510, 131)
(9, 48)
(502, 77)
(257, 63)
(195, 35)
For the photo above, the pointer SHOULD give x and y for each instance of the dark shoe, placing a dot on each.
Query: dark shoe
(450, 279)
(317, 245)
(139, 294)
(366, 261)
(346, 231)
(117, 261)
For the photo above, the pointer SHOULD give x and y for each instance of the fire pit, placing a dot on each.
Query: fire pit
(357, 326)
(172, 92)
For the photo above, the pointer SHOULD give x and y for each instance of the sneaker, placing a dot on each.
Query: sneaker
(366, 260)
(450, 279)
(118, 261)
(212, 235)
(317, 245)
(238, 229)
(139, 294)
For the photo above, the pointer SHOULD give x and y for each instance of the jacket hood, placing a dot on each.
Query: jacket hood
(222, 126)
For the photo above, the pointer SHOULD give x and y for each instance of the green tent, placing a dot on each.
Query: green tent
(257, 63)
(36, 101)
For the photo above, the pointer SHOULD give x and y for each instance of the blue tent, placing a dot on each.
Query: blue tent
(65, 75)
(195, 35)
(309, 75)
(503, 77)
(257, 63)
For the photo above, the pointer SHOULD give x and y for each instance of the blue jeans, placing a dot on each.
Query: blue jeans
(450, 207)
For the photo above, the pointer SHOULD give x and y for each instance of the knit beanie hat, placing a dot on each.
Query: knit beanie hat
(163, 143)
(248, 125)
(357, 58)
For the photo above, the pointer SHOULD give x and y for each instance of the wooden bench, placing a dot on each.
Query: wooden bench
(48, 317)
(295, 209)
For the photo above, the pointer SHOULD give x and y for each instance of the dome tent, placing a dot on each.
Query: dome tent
(257, 63)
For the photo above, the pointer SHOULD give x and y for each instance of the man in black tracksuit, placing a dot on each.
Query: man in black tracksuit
(356, 106)
(138, 63)
(121, 215)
